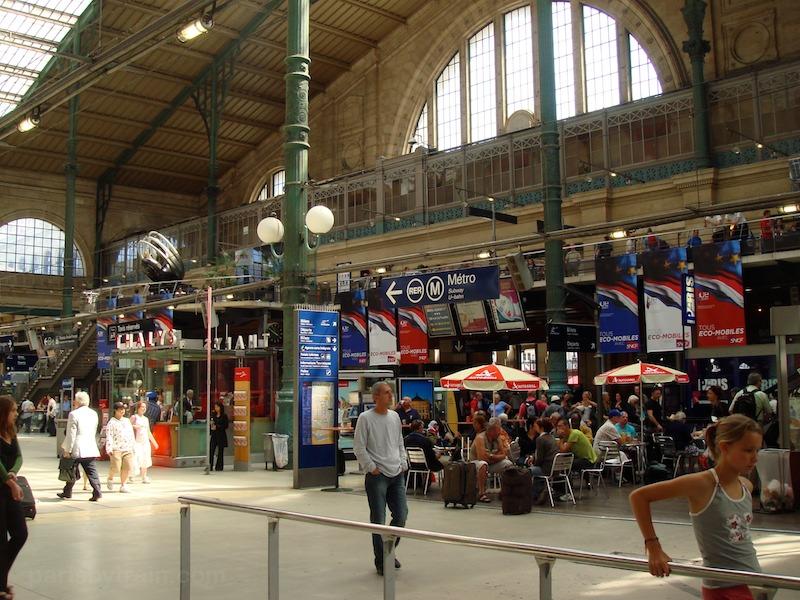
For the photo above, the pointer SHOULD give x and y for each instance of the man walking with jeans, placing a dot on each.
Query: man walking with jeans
(378, 446)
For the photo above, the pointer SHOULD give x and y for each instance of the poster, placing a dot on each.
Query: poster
(421, 393)
(241, 419)
(382, 330)
(507, 309)
(618, 297)
(354, 330)
(664, 300)
(412, 335)
(440, 320)
(719, 294)
(318, 412)
(472, 317)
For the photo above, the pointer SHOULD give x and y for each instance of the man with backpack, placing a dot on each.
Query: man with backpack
(528, 409)
(751, 401)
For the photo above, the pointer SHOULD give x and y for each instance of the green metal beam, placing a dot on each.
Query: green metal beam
(30, 311)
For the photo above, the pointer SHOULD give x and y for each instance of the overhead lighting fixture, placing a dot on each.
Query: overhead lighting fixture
(612, 173)
(759, 145)
(380, 270)
(490, 198)
(121, 315)
(78, 323)
(105, 280)
(485, 254)
(170, 307)
(229, 296)
(397, 219)
(195, 28)
(789, 208)
(29, 122)
(619, 234)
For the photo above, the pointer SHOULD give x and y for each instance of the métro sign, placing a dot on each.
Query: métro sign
(443, 287)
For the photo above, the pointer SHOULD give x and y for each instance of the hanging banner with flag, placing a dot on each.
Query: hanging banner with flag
(354, 330)
(719, 294)
(382, 330)
(618, 297)
(664, 300)
(413, 335)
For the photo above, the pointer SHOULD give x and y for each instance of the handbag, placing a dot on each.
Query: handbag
(67, 469)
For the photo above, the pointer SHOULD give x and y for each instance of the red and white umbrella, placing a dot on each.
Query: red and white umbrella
(640, 373)
(490, 378)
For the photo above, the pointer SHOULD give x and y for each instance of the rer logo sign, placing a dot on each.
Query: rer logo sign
(462, 285)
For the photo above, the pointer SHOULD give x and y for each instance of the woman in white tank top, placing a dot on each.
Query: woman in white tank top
(720, 506)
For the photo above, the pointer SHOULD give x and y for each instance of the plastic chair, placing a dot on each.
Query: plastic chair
(616, 459)
(418, 463)
(595, 471)
(559, 473)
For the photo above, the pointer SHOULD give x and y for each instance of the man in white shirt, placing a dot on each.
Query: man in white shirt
(607, 432)
(26, 414)
(378, 446)
(119, 447)
(80, 443)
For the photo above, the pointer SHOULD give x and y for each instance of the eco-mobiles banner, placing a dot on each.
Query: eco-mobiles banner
(719, 294)
(618, 297)
(382, 330)
(413, 334)
(664, 272)
(354, 332)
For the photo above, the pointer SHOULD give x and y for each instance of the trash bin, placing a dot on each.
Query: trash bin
(774, 472)
(276, 450)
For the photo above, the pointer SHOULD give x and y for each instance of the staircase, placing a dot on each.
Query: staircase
(79, 362)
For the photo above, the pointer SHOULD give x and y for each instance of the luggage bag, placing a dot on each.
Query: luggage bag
(460, 485)
(516, 489)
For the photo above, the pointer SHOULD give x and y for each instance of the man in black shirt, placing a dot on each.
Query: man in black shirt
(418, 439)
(653, 411)
(527, 443)
(407, 413)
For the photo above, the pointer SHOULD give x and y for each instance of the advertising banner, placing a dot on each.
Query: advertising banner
(382, 330)
(413, 335)
(241, 418)
(472, 318)
(664, 300)
(719, 294)
(618, 297)
(507, 309)
(104, 345)
(354, 331)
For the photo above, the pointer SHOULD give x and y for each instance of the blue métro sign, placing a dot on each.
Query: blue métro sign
(443, 287)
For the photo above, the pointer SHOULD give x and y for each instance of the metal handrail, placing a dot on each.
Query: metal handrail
(545, 555)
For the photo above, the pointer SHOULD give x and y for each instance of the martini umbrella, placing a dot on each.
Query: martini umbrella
(489, 378)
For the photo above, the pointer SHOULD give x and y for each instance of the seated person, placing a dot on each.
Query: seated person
(527, 443)
(607, 432)
(576, 423)
(627, 431)
(407, 413)
(489, 452)
(542, 462)
(676, 428)
(573, 440)
(507, 429)
(418, 439)
(433, 433)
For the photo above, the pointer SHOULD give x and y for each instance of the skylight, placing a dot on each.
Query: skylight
(30, 33)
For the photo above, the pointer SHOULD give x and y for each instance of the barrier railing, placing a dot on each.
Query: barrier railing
(545, 556)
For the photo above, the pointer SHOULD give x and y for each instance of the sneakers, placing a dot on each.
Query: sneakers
(123, 489)
(109, 485)
(146, 480)
(565, 498)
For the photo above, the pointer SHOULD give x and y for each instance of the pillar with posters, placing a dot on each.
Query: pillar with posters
(241, 419)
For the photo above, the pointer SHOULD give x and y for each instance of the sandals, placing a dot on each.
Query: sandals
(485, 498)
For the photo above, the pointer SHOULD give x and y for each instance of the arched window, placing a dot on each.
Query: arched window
(274, 186)
(598, 64)
(35, 246)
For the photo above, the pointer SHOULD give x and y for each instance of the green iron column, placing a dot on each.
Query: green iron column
(295, 258)
(696, 47)
(71, 170)
(212, 190)
(551, 175)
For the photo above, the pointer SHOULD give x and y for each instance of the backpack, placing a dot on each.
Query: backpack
(530, 410)
(746, 405)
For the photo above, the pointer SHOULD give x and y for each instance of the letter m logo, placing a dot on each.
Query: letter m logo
(434, 288)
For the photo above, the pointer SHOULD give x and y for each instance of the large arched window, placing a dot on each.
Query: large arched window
(35, 246)
(274, 186)
(598, 64)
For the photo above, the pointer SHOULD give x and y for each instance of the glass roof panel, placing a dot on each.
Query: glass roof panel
(30, 32)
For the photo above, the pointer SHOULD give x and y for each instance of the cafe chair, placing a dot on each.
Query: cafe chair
(669, 452)
(417, 463)
(616, 460)
(465, 444)
(559, 473)
(595, 471)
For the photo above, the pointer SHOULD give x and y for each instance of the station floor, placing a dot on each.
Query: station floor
(127, 545)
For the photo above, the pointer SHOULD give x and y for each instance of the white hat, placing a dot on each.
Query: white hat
(555, 398)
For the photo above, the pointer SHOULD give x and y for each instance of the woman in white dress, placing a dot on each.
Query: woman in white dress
(143, 437)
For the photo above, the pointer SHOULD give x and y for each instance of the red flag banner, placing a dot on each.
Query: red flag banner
(719, 294)
(413, 331)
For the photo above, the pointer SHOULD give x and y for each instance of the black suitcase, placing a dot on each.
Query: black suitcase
(28, 501)
(460, 485)
(516, 489)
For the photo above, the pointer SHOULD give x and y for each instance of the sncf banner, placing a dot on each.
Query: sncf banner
(664, 300)
(413, 335)
(618, 298)
(719, 294)
(382, 330)
(354, 330)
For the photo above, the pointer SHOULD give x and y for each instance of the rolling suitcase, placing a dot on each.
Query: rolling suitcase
(516, 488)
(460, 485)
(28, 501)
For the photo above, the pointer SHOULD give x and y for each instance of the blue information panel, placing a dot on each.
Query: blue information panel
(317, 381)
(443, 287)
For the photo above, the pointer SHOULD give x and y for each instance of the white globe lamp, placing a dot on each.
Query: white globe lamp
(319, 219)
(270, 230)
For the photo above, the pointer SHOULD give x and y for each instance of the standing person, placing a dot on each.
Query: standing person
(42, 408)
(119, 447)
(13, 530)
(219, 435)
(80, 443)
(720, 506)
(143, 439)
(654, 412)
(719, 408)
(751, 401)
(766, 232)
(378, 446)
(152, 408)
(407, 413)
(52, 413)
(27, 408)
(188, 407)
(528, 408)
(498, 406)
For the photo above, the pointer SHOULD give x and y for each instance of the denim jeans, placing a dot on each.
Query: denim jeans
(383, 491)
(538, 484)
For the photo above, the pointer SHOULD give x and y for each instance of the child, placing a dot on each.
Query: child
(720, 505)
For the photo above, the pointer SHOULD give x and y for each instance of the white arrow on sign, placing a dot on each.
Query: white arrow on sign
(458, 346)
(391, 292)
